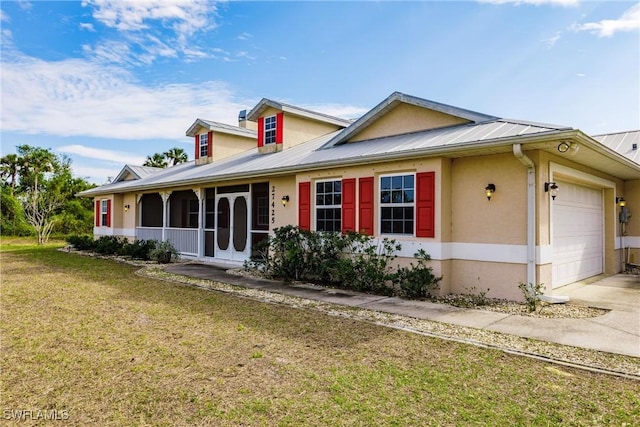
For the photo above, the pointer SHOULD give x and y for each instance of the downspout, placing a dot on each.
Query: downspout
(531, 224)
(531, 212)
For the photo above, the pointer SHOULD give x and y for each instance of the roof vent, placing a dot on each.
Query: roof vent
(242, 115)
(634, 146)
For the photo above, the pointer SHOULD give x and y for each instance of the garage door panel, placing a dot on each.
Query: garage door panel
(577, 234)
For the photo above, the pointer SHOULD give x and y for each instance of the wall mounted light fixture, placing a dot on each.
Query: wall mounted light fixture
(489, 190)
(620, 201)
(568, 147)
(551, 188)
(126, 208)
(285, 200)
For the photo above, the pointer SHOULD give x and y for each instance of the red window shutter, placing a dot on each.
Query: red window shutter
(348, 205)
(304, 205)
(97, 213)
(425, 204)
(108, 224)
(210, 145)
(197, 147)
(260, 131)
(366, 205)
(279, 128)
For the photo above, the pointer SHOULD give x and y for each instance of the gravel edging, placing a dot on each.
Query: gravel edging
(591, 360)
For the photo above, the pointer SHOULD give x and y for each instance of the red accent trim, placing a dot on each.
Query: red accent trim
(425, 204)
(348, 205)
(365, 189)
(197, 147)
(108, 224)
(210, 144)
(279, 128)
(97, 215)
(304, 205)
(260, 131)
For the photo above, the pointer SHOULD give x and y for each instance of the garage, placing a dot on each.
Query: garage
(577, 233)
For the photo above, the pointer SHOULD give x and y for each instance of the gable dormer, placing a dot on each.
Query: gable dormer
(400, 114)
(215, 141)
(280, 126)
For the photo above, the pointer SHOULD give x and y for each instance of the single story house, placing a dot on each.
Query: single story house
(494, 201)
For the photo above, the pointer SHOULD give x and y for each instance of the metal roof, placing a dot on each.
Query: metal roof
(292, 109)
(622, 142)
(137, 171)
(393, 101)
(310, 155)
(220, 127)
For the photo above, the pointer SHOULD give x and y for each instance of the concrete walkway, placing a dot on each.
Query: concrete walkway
(618, 331)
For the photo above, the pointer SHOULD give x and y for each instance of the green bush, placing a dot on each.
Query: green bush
(82, 243)
(140, 249)
(164, 252)
(109, 245)
(531, 295)
(417, 281)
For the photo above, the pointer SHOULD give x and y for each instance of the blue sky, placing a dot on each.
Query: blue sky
(110, 82)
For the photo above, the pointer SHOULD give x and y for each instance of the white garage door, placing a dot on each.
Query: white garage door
(577, 237)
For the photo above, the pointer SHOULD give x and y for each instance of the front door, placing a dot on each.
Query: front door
(232, 227)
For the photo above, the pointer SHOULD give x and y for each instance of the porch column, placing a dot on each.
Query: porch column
(200, 194)
(138, 213)
(165, 203)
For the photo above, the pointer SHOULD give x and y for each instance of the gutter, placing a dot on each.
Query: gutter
(531, 224)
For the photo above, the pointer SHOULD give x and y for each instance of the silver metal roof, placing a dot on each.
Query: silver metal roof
(137, 171)
(303, 112)
(622, 142)
(309, 155)
(220, 127)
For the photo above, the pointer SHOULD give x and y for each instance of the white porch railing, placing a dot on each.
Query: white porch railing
(149, 233)
(184, 240)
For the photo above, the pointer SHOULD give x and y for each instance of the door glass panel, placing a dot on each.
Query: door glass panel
(240, 224)
(223, 223)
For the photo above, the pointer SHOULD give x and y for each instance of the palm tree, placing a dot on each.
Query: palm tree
(156, 161)
(36, 161)
(176, 156)
(9, 168)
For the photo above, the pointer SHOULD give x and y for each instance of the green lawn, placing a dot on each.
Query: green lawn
(90, 337)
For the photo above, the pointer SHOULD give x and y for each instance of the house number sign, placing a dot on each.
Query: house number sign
(273, 204)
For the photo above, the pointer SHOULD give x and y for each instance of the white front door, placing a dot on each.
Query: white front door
(232, 227)
(577, 233)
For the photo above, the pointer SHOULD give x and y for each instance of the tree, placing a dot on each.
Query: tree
(39, 209)
(36, 161)
(157, 160)
(176, 155)
(9, 168)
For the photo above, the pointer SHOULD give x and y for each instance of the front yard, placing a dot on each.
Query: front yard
(91, 339)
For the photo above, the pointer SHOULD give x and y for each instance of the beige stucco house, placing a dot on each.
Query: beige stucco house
(495, 202)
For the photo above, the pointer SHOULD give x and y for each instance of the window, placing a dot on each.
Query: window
(262, 218)
(194, 207)
(397, 204)
(204, 145)
(270, 130)
(104, 213)
(329, 206)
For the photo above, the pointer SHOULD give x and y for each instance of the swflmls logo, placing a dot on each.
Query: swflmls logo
(33, 415)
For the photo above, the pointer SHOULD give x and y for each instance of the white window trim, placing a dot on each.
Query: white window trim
(205, 144)
(104, 212)
(270, 125)
(315, 203)
(396, 205)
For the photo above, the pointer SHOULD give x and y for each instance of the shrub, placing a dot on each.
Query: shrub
(109, 245)
(164, 252)
(140, 249)
(82, 243)
(417, 281)
(531, 295)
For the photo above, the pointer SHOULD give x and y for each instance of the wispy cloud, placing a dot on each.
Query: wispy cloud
(534, 2)
(87, 26)
(245, 36)
(139, 22)
(4, 17)
(551, 41)
(79, 97)
(118, 157)
(629, 21)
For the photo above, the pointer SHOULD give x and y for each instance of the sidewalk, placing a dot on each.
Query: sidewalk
(615, 332)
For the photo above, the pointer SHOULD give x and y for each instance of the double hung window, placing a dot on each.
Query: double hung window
(397, 204)
(204, 145)
(270, 130)
(104, 213)
(329, 206)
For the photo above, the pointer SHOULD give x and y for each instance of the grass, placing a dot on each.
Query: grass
(90, 337)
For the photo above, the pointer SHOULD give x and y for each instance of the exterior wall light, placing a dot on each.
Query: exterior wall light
(569, 147)
(285, 200)
(126, 208)
(620, 201)
(489, 190)
(551, 188)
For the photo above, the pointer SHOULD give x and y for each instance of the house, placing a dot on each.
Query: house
(494, 201)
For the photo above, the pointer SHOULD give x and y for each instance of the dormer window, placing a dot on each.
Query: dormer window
(204, 145)
(270, 130)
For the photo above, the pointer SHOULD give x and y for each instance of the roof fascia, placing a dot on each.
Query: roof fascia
(125, 169)
(265, 103)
